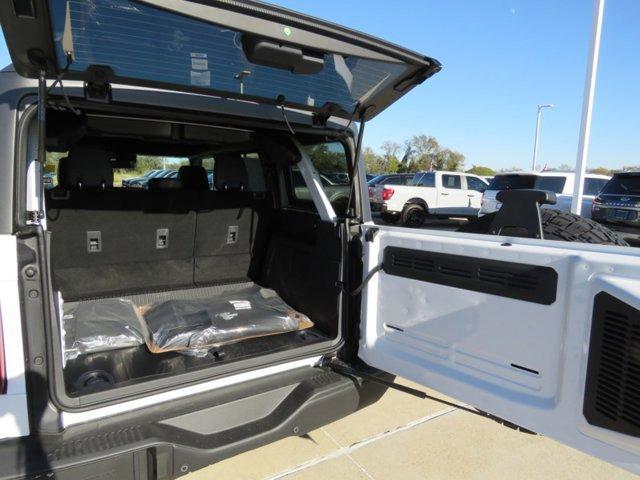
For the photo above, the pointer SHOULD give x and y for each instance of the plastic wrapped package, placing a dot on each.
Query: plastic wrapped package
(101, 325)
(195, 326)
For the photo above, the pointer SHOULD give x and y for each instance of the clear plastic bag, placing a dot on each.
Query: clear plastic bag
(195, 326)
(101, 325)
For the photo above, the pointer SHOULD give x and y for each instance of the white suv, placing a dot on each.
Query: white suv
(560, 183)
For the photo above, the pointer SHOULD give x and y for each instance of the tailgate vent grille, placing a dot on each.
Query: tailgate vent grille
(506, 279)
(612, 392)
(509, 279)
(404, 260)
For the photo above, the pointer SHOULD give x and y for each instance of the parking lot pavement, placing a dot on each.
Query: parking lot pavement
(405, 437)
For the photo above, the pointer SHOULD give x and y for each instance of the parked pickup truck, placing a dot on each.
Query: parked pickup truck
(437, 194)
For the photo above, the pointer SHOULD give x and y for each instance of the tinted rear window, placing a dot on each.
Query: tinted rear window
(511, 182)
(423, 180)
(398, 180)
(522, 182)
(592, 186)
(550, 184)
(623, 185)
(142, 42)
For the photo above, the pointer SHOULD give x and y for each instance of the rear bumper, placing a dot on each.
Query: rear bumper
(628, 218)
(178, 437)
(384, 208)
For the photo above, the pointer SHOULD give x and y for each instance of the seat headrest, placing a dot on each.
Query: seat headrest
(193, 177)
(230, 172)
(85, 167)
(164, 184)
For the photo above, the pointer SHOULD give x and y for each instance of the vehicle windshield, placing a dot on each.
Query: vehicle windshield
(141, 42)
(623, 185)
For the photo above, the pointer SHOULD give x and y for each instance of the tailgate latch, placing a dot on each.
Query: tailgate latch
(97, 88)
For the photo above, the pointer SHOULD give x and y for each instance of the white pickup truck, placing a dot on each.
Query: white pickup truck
(438, 194)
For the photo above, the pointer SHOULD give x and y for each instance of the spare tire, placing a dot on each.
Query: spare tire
(558, 225)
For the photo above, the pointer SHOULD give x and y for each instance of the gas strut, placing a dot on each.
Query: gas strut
(352, 372)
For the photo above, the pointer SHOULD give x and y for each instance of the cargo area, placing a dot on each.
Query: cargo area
(180, 242)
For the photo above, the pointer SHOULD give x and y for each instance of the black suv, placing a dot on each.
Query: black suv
(618, 203)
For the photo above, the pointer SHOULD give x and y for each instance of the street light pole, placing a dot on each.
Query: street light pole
(587, 107)
(535, 142)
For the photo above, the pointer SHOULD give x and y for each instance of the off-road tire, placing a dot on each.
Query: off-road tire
(559, 225)
(413, 215)
(391, 218)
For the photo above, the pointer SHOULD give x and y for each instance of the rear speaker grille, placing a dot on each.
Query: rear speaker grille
(612, 393)
(507, 279)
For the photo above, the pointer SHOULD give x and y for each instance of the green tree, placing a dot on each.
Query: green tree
(144, 163)
(600, 171)
(326, 158)
(392, 165)
(390, 153)
(374, 163)
(564, 167)
(482, 171)
(423, 150)
(449, 160)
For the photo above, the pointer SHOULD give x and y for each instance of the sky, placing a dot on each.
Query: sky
(501, 58)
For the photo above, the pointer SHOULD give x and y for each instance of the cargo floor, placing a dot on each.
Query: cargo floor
(93, 372)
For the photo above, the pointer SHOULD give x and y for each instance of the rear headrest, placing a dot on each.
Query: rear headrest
(85, 167)
(164, 184)
(193, 177)
(230, 172)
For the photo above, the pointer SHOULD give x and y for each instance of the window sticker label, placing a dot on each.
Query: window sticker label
(199, 61)
(201, 78)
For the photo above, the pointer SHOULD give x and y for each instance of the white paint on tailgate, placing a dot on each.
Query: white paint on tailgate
(470, 345)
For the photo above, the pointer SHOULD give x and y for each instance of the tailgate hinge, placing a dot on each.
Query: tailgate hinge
(370, 234)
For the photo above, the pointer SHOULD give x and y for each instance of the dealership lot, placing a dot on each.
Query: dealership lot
(405, 437)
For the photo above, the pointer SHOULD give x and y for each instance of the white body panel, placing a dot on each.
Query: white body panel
(464, 343)
(440, 200)
(14, 416)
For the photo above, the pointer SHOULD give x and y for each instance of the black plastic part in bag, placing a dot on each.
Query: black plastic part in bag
(101, 325)
(195, 326)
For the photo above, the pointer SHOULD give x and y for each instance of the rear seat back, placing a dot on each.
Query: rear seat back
(108, 240)
(226, 224)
